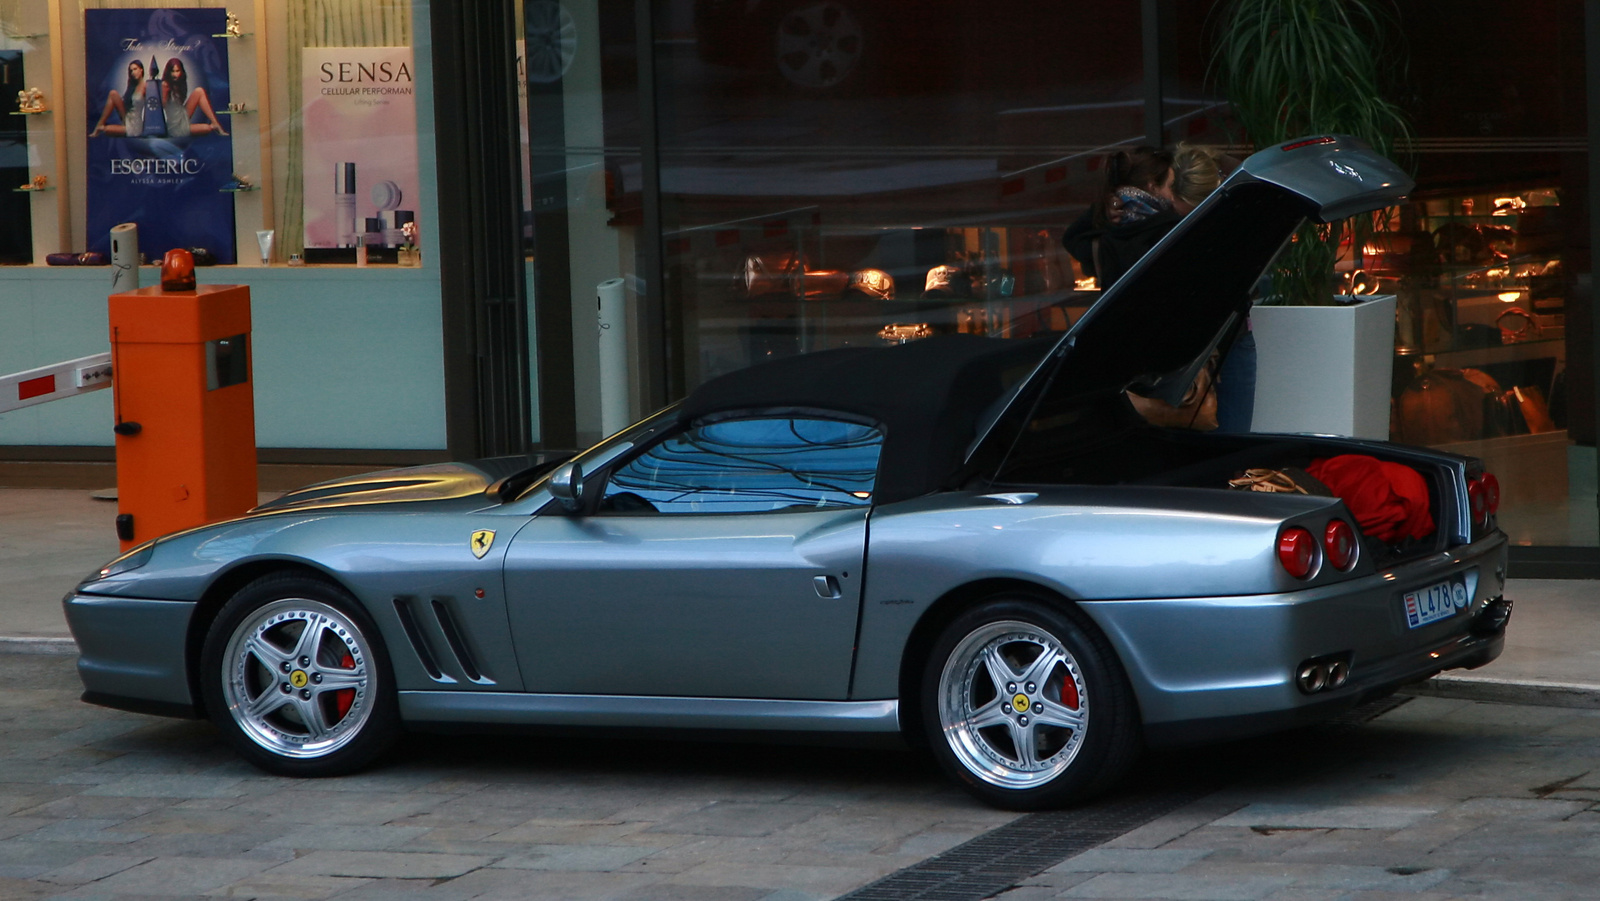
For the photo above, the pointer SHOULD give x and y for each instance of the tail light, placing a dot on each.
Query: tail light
(1339, 543)
(1483, 496)
(1297, 551)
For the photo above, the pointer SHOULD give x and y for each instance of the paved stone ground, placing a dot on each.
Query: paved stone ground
(1436, 799)
(101, 804)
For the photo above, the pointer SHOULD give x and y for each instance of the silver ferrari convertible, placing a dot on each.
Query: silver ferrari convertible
(976, 545)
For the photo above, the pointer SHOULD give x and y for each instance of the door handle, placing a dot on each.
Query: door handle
(827, 587)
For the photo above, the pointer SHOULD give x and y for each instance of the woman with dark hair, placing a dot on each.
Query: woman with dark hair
(1147, 192)
(1133, 213)
(178, 104)
(128, 105)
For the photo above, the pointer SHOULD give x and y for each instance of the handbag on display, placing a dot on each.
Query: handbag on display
(1530, 402)
(947, 281)
(772, 273)
(1439, 407)
(1517, 324)
(869, 284)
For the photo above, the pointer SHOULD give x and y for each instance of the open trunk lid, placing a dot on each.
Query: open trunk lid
(1157, 324)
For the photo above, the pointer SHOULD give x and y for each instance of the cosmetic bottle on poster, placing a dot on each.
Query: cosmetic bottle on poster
(344, 204)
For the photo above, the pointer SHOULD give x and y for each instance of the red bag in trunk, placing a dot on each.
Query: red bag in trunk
(1388, 500)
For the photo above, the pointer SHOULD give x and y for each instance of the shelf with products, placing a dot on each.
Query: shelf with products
(1480, 340)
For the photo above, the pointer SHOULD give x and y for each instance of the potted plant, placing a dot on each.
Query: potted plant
(1291, 68)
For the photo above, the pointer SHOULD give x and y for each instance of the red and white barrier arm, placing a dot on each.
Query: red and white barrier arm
(36, 386)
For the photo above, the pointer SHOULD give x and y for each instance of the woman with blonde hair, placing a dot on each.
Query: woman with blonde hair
(1196, 172)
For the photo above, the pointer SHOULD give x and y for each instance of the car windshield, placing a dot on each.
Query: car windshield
(531, 479)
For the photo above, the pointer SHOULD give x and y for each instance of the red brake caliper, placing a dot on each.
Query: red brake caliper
(1069, 692)
(344, 697)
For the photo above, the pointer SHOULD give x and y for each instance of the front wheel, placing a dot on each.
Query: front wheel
(295, 675)
(1027, 707)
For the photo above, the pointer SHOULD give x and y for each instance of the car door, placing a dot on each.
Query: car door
(721, 560)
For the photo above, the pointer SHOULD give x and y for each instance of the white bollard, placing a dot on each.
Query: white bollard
(124, 257)
(614, 416)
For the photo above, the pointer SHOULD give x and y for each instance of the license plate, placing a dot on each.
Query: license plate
(1436, 602)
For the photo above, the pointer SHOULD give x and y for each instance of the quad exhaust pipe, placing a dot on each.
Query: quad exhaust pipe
(1323, 673)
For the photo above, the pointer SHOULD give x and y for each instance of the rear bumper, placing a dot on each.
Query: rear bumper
(132, 652)
(1219, 668)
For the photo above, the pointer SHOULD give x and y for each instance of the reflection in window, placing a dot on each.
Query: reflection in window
(751, 466)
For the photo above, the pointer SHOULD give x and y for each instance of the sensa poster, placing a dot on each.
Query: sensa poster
(360, 134)
(159, 155)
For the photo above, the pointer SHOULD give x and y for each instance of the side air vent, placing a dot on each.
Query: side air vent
(458, 643)
(419, 645)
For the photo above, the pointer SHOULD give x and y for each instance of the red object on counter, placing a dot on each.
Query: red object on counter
(177, 270)
(1388, 500)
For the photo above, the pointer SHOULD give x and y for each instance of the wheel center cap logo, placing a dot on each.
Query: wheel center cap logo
(298, 678)
(1020, 702)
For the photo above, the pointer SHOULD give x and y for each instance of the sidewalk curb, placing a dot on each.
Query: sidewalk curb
(60, 647)
(1509, 691)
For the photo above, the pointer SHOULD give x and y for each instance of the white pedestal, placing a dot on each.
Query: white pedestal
(1325, 369)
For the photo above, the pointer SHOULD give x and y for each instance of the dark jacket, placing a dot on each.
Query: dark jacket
(1120, 245)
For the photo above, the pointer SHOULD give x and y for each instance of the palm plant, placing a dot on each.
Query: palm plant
(1300, 67)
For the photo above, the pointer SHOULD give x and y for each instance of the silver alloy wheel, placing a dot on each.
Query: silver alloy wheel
(819, 44)
(297, 678)
(1013, 705)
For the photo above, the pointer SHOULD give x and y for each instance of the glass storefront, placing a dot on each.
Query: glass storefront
(838, 173)
(1490, 260)
(290, 145)
(772, 177)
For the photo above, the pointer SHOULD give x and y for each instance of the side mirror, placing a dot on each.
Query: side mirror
(566, 486)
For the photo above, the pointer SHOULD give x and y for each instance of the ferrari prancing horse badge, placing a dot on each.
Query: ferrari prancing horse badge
(481, 540)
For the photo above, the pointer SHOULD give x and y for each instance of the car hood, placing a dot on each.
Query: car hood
(1157, 324)
(434, 482)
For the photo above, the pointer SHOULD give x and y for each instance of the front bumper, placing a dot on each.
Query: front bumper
(132, 653)
(1219, 668)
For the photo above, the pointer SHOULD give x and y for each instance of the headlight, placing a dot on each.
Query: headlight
(132, 560)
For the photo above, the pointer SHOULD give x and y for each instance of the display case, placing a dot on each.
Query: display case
(1480, 337)
(1482, 311)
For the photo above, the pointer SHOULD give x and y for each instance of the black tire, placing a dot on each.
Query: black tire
(1080, 732)
(339, 677)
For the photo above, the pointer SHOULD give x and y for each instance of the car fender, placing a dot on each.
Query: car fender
(1081, 543)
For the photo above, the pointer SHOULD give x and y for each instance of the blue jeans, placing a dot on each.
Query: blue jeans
(1236, 385)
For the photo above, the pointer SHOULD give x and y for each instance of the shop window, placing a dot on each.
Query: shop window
(256, 133)
(846, 174)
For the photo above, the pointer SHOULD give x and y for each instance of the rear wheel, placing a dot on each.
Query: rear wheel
(295, 675)
(1026, 706)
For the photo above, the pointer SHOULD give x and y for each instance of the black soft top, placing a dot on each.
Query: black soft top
(927, 396)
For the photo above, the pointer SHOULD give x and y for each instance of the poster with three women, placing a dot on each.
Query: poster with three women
(158, 154)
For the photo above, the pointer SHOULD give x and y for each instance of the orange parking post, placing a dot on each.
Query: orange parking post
(185, 408)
